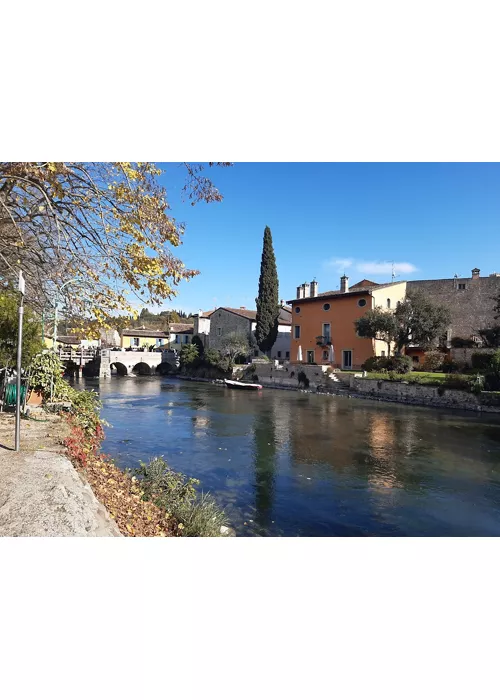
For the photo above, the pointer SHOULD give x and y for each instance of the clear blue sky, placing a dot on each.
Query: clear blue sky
(433, 220)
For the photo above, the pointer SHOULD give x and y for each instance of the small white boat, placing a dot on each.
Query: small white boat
(241, 385)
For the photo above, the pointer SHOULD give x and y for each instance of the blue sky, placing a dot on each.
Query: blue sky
(432, 219)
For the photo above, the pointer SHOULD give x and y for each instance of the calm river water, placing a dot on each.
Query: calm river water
(286, 463)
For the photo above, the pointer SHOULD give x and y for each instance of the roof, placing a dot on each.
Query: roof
(67, 339)
(181, 327)
(355, 289)
(251, 314)
(365, 283)
(143, 333)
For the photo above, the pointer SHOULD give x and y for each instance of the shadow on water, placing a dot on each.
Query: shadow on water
(264, 432)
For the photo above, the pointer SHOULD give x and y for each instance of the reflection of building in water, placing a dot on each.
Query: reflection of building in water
(326, 432)
(392, 439)
(200, 425)
(282, 416)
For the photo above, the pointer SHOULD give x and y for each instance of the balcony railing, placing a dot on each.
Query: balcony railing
(323, 340)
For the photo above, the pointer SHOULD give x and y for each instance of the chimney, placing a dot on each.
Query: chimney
(314, 288)
(300, 294)
(475, 273)
(344, 284)
(307, 287)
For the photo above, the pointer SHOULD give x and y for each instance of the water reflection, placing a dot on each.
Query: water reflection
(301, 464)
(264, 435)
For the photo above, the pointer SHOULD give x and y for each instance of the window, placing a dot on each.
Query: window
(416, 359)
(219, 331)
(461, 285)
(325, 354)
(388, 303)
(297, 309)
(382, 354)
(158, 342)
(326, 307)
(177, 339)
(287, 354)
(362, 302)
(279, 353)
(327, 332)
(134, 342)
(186, 339)
(296, 331)
(310, 357)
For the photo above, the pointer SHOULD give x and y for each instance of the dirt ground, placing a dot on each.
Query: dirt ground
(42, 431)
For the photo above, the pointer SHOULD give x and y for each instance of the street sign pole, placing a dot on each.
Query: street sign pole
(21, 288)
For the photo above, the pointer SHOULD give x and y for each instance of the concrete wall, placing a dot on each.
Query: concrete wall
(425, 395)
(287, 375)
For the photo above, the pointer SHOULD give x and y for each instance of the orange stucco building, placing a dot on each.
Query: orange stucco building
(323, 324)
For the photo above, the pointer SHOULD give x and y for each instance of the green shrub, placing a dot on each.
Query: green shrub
(449, 366)
(199, 515)
(46, 372)
(481, 360)
(189, 356)
(371, 364)
(462, 383)
(302, 379)
(492, 379)
(433, 361)
(401, 364)
(199, 344)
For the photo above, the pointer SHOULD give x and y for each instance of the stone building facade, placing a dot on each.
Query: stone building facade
(470, 299)
(225, 320)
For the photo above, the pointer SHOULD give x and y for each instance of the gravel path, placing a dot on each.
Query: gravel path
(41, 493)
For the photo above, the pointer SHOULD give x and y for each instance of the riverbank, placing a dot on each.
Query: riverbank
(41, 493)
(60, 485)
(350, 386)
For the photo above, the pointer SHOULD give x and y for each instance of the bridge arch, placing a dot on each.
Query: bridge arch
(121, 369)
(165, 368)
(142, 369)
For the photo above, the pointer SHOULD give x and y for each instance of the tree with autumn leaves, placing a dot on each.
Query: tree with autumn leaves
(103, 229)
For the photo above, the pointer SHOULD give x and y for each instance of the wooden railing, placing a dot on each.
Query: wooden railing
(80, 356)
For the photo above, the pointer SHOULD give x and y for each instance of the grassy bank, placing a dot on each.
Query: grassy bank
(429, 378)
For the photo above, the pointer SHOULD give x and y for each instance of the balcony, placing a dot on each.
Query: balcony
(323, 340)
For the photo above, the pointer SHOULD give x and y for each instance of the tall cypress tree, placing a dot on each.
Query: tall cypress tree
(268, 309)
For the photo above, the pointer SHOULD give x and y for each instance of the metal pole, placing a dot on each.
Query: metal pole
(55, 327)
(18, 378)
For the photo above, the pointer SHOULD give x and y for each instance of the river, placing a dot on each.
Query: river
(284, 463)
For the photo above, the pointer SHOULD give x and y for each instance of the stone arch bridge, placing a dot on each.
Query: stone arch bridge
(135, 363)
